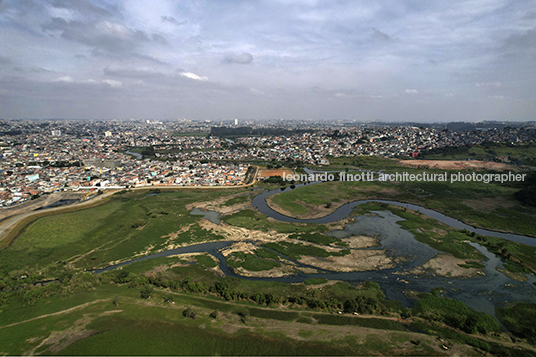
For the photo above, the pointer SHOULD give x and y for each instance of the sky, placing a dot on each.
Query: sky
(363, 60)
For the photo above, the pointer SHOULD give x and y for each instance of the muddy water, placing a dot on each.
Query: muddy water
(482, 293)
(344, 211)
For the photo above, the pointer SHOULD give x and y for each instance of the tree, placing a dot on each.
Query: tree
(115, 301)
(189, 312)
(145, 293)
(244, 314)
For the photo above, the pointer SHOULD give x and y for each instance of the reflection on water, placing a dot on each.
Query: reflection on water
(211, 216)
(344, 211)
(396, 240)
(138, 156)
(481, 293)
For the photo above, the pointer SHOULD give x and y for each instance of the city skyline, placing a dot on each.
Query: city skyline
(401, 61)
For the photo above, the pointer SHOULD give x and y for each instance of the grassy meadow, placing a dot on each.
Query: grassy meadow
(490, 206)
(180, 305)
(130, 224)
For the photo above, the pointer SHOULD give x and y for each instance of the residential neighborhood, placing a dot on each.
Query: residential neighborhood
(40, 157)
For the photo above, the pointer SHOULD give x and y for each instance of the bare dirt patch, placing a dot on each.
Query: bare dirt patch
(361, 242)
(321, 333)
(320, 286)
(217, 205)
(174, 235)
(242, 234)
(244, 247)
(457, 165)
(265, 173)
(186, 259)
(58, 340)
(515, 276)
(278, 272)
(446, 265)
(357, 260)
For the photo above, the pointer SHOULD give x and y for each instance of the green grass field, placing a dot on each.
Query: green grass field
(253, 317)
(521, 154)
(250, 262)
(237, 200)
(251, 219)
(490, 206)
(130, 224)
(295, 251)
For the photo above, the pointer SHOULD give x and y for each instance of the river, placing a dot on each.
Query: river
(481, 293)
(138, 156)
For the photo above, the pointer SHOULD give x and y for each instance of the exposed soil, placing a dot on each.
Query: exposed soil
(357, 260)
(244, 247)
(264, 173)
(186, 259)
(361, 241)
(287, 267)
(172, 236)
(458, 165)
(218, 205)
(313, 332)
(515, 276)
(242, 234)
(58, 340)
(448, 266)
(277, 272)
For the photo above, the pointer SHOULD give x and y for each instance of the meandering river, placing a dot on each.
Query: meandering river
(482, 293)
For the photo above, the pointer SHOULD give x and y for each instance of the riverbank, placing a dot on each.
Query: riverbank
(498, 210)
(17, 219)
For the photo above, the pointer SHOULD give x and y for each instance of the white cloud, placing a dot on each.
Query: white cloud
(479, 49)
(113, 83)
(489, 85)
(64, 79)
(194, 76)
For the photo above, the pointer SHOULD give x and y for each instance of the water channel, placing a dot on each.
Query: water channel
(138, 156)
(482, 293)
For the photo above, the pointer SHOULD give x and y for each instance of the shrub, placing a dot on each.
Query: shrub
(145, 293)
(189, 312)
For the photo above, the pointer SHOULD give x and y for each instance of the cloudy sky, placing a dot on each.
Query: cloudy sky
(396, 60)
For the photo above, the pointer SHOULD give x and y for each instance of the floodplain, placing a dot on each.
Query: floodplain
(271, 287)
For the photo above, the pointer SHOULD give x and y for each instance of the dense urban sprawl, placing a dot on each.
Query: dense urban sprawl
(39, 157)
